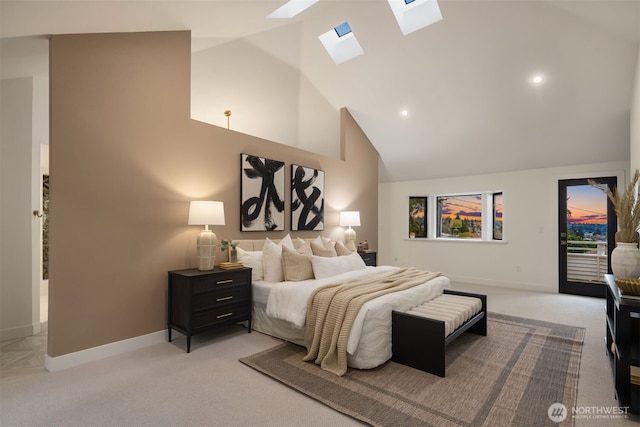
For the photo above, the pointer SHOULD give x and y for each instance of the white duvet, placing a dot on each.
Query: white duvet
(369, 342)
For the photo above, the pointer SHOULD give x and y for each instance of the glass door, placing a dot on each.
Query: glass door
(587, 225)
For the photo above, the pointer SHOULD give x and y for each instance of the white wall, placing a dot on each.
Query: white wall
(528, 256)
(19, 282)
(265, 92)
(635, 121)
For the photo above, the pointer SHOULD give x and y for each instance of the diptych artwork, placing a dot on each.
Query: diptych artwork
(262, 194)
(307, 198)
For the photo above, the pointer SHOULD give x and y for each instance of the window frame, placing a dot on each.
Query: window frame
(494, 219)
(425, 210)
(487, 217)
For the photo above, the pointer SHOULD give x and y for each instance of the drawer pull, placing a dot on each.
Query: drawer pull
(224, 299)
(224, 315)
(222, 282)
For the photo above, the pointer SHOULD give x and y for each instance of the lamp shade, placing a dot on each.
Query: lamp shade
(350, 219)
(206, 213)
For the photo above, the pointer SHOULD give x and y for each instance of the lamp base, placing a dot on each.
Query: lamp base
(207, 248)
(349, 235)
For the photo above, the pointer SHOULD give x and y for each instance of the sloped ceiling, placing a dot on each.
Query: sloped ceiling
(464, 81)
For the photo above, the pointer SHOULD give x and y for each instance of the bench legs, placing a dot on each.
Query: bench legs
(417, 343)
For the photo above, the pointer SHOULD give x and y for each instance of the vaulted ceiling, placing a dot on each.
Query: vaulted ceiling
(465, 82)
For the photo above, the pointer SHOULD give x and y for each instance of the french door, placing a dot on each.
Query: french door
(587, 226)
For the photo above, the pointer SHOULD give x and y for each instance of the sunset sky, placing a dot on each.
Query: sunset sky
(468, 207)
(588, 205)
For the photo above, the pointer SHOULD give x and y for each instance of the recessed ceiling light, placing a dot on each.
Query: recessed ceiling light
(404, 113)
(537, 79)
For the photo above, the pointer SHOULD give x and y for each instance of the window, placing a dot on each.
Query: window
(475, 216)
(417, 216)
(343, 29)
(497, 216)
(460, 217)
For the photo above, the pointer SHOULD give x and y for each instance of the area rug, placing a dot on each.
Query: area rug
(511, 377)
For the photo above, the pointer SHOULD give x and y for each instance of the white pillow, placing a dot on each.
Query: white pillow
(253, 260)
(324, 267)
(272, 259)
(286, 241)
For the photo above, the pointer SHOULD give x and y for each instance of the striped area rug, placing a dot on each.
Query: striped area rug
(520, 374)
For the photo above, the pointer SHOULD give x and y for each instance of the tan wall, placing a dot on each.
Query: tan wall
(126, 160)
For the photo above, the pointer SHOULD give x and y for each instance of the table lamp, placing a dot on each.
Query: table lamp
(206, 213)
(349, 219)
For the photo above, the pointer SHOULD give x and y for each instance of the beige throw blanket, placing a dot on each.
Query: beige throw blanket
(332, 309)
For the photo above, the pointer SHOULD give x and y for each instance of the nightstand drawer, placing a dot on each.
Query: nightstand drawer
(213, 283)
(369, 258)
(202, 300)
(223, 295)
(220, 315)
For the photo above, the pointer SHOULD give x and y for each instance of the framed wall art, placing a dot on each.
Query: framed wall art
(262, 194)
(307, 198)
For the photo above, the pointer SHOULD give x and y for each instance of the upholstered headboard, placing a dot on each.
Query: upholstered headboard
(258, 244)
(250, 245)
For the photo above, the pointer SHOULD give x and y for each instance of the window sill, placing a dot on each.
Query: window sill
(439, 239)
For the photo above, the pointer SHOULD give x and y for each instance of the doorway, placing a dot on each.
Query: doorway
(587, 226)
(44, 244)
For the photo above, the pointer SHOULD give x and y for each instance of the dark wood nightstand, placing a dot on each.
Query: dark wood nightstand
(202, 300)
(369, 258)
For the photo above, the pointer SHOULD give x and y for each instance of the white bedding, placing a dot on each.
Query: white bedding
(369, 342)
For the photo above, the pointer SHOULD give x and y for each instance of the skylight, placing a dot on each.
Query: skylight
(292, 8)
(341, 43)
(415, 14)
(343, 29)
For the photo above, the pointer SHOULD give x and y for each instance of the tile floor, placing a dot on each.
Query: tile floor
(23, 356)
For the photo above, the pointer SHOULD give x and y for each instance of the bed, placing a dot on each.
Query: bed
(280, 299)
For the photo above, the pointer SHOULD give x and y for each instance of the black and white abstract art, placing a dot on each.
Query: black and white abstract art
(262, 194)
(307, 198)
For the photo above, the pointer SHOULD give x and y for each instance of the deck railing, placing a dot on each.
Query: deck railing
(586, 261)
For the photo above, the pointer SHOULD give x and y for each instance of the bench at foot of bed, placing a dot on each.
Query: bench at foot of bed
(420, 335)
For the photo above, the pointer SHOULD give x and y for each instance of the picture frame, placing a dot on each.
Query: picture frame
(261, 194)
(418, 216)
(307, 199)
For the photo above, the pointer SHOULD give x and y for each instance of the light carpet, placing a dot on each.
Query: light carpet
(511, 377)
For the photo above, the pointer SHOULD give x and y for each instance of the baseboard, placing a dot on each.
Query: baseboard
(521, 286)
(54, 364)
(22, 331)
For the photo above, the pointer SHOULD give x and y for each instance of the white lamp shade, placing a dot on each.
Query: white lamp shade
(350, 219)
(206, 213)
